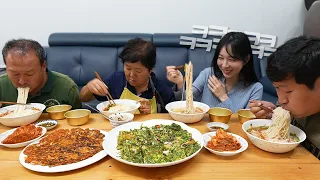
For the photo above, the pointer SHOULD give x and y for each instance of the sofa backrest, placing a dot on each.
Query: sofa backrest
(170, 52)
(78, 55)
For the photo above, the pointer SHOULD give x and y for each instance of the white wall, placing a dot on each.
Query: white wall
(37, 19)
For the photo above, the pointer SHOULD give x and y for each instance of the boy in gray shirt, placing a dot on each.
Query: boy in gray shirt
(294, 69)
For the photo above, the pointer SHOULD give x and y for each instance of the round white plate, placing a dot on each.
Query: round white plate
(110, 145)
(22, 144)
(62, 168)
(241, 140)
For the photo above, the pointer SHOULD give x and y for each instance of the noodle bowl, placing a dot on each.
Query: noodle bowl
(25, 112)
(122, 105)
(278, 131)
(257, 127)
(176, 110)
(197, 110)
(187, 111)
(117, 108)
(21, 110)
(189, 107)
(17, 115)
(29, 115)
(260, 132)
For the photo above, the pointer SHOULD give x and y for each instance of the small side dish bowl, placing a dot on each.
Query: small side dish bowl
(241, 140)
(120, 118)
(218, 114)
(214, 126)
(48, 124)
(77, 117)
(57, 112)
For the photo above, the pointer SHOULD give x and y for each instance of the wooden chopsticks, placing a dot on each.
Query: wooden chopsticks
(179, 67)
(266, 109)
(7, 102)
(110, 99)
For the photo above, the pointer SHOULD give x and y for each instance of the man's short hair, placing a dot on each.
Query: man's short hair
(298, 58)
(23, 46)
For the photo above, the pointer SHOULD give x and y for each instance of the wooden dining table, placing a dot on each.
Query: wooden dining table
(253, 163)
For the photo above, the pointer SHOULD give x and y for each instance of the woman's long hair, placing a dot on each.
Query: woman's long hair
(238, 46)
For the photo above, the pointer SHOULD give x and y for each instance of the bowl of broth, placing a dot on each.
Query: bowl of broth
(178, 111)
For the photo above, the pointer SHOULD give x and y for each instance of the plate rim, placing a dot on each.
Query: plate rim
(68, 167)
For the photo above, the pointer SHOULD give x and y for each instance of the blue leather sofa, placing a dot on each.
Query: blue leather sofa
(78, 55)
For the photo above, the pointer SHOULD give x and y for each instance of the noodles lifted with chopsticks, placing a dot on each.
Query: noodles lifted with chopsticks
(22, 98)
(189, 94)
(279, 129)
(190, 108)
(21, 110)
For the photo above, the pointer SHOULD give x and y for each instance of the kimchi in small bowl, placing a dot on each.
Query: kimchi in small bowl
(224, 144)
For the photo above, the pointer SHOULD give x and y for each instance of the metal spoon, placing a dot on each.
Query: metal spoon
(97, 111)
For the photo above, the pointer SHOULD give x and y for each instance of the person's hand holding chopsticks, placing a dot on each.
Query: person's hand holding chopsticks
(175, 76)
(261, 109)
(97, 87)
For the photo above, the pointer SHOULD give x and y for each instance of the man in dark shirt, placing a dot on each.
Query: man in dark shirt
(26, 67)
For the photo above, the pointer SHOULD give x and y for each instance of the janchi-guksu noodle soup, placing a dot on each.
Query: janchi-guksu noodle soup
(21, 110)
(190, 108)
(278, 131)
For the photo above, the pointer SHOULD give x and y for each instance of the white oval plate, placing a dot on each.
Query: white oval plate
(241, 140)
(110, 145)
(62, 168)
(22, 144)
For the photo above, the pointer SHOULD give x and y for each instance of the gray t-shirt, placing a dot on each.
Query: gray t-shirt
(311, 126)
